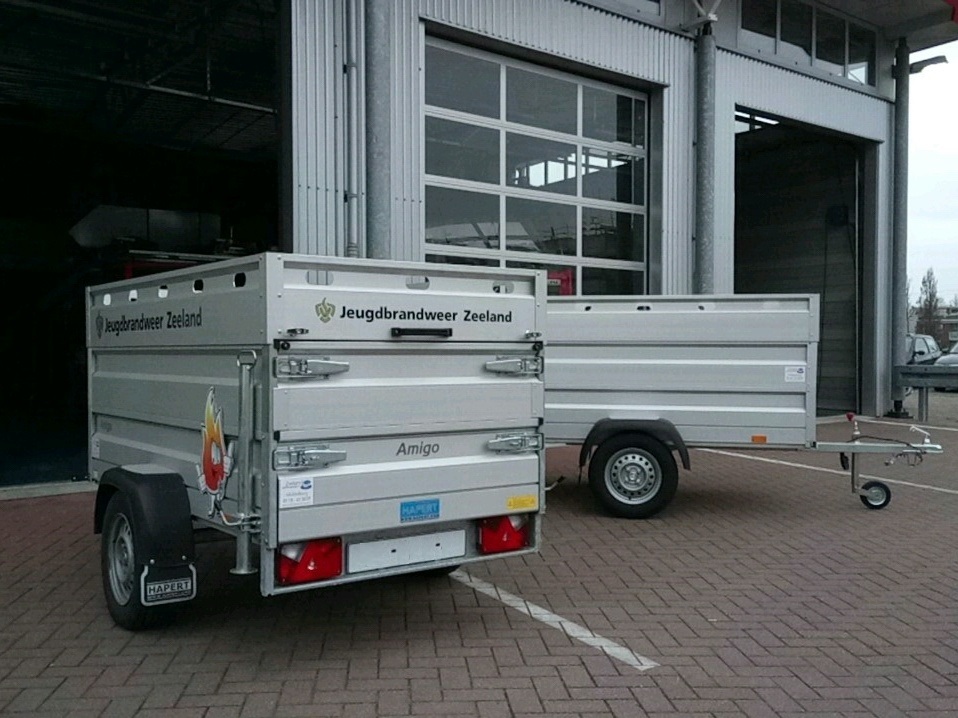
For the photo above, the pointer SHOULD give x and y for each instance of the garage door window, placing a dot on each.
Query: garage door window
(521, 160)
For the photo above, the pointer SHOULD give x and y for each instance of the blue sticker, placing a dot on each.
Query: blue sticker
(306, 485)
(421, 510)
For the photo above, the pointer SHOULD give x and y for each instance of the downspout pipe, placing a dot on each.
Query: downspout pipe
(378, 128)
(703, 274)
(899, 265)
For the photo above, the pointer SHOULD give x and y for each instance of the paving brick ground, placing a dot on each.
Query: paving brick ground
(763, 590)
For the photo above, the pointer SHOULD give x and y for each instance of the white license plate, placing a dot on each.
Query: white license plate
(372, 555)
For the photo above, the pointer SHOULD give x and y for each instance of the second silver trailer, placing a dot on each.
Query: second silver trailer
(635, 380)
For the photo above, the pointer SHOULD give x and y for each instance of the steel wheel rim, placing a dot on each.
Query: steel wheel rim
(875, 495)
(633, 476)
(121, 561)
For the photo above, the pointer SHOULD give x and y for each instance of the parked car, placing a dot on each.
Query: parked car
(922, 349)
(950, 358)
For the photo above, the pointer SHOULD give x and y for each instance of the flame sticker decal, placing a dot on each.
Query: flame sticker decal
(216, 457)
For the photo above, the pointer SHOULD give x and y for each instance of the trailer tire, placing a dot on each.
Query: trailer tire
(121, 570)
(633, 476)
(875, 495)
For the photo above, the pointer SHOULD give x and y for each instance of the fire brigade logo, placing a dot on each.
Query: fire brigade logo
(216, 457)
(325, 311)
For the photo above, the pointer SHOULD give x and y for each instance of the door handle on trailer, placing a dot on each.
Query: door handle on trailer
(438, 332)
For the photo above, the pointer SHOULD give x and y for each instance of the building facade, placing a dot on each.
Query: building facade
(628, 147)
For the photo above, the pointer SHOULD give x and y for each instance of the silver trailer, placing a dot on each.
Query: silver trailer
(340, 419)
(636, 379)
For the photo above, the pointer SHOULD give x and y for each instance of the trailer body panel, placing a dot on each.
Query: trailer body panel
(736, 370)
(393, 408)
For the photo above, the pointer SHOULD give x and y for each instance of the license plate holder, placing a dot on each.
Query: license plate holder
(403, 551)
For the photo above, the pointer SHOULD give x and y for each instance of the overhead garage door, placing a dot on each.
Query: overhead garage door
(796, 231)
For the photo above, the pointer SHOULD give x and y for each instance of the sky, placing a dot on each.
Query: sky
(933, 174)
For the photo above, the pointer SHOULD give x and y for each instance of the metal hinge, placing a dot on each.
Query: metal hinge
(516, 443)
(306, 457)
(522, 366)
(302, 367)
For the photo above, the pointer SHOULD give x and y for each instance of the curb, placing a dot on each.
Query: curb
(54, 488)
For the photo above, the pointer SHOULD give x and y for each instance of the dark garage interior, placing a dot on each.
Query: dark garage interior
(137, 135)
(797, 226)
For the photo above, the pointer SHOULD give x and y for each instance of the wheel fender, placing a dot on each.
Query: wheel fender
(161, 510)
(661, 430)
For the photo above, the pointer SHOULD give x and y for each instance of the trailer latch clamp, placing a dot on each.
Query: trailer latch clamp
(516, 365)
(302, 367)
(305, 457)
(516, 443)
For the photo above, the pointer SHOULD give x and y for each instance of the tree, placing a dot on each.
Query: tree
(929, 307)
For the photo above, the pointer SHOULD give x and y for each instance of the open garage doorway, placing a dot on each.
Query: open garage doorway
(797, 206)
(136, 136)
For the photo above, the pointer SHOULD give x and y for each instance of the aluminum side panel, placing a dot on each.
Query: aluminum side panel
(271, 296)
(380, 514)
(389, 390)
(418, 406)
(330, 313)
(705, 375)
(722, 369)
(165, 387)
(392, 472)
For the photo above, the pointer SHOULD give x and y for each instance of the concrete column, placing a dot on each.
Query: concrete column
(704, 271)
(899, 265)
(379, 55)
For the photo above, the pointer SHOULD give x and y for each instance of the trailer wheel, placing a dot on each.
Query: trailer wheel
(121, 569)
(633, 476)
(875, 494)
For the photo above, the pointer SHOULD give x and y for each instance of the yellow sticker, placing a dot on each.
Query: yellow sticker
(519, 503)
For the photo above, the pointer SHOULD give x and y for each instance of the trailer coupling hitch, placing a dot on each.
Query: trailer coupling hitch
(914, 454)
(912, 458)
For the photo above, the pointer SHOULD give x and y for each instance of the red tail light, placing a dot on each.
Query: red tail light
(310, 561)
(503, 533)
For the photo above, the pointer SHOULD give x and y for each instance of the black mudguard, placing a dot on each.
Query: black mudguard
(161, 510)
(661, 430)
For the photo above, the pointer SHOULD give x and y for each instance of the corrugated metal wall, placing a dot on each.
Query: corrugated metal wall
(406, 148)
(659, 61)
(316, 127)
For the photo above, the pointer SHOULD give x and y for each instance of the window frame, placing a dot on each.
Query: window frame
(505, 191)
(812, 65)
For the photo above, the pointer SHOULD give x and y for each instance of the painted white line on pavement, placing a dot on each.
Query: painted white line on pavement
(570, 628)
(907, 423)
(840, 472)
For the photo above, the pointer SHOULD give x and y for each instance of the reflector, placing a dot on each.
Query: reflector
(503, 533)
(311, 561)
